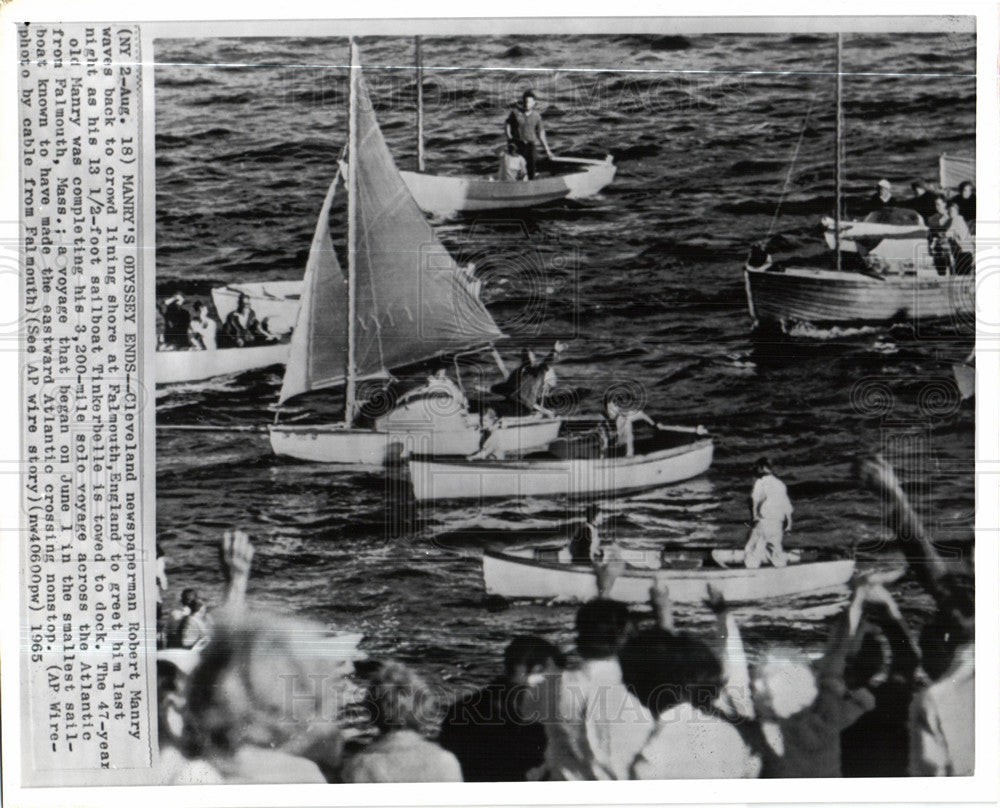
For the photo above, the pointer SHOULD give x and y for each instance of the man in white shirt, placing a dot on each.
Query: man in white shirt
(771, 516)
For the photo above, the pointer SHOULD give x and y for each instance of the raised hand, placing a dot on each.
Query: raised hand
(237, 556)
(716, 601)
(663, 607)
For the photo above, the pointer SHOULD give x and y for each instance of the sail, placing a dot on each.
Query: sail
(956, 169)
(413, 301)
(318, 354)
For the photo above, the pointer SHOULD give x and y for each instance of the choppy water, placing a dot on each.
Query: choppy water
(646, 280)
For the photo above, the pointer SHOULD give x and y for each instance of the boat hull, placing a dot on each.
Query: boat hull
(374, 447)
(513, 577)
(443, 195)
(435, 480)
(821, 296)
(275, 301)
(176, 367)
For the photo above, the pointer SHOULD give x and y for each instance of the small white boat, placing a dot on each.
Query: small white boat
(409, 431)
(567, 178)
(176, 367)
(340, 648)
(274, 301)
(826, 296)
(965, 379)
(520, 575)
(672, 456)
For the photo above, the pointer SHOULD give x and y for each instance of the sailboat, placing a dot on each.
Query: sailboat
(913, 290)
(564, 178)
(404, 300)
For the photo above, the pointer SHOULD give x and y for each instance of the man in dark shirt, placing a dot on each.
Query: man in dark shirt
(966, 201)
(882, 198)
(524, 127)
(922, 202)
(485, 731)
(176, 321)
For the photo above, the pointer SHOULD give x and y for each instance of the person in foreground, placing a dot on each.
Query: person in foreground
(401, 707)
(486, 730)
(594, 726)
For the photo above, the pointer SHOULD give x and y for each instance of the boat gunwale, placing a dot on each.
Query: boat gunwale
(339, 427)
(588, 165)
(698, 444)
(636, 572)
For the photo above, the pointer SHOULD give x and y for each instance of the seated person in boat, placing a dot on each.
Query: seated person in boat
(882, 198)
(490, 447)
(618, 419)
(959, 239)
(937, 240)
(921, 201)
(771, 516)
(513, 168)
(202, 330)
(524, 127)
(524, 389)
(243, 328)
(176, 321)
(966, 199)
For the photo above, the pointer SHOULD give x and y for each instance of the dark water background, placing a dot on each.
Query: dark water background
(645, 281)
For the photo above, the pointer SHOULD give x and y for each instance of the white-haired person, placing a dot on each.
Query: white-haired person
(262, 704)
(402, 707)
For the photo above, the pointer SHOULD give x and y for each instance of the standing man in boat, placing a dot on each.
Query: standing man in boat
(922, 201)
(176, 321)
(524, 127)
(771, 516)
(585, 543)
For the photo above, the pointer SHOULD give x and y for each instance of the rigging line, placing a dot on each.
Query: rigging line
(791, 168)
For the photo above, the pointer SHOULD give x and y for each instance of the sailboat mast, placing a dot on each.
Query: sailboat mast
(839, 147)
(350, 393)
(420, 106)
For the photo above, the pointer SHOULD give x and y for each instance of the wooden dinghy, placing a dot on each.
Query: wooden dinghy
(566, 178)
(669, 457)
(521, 574)
(827, 296)
(176, 367)
(274, 301)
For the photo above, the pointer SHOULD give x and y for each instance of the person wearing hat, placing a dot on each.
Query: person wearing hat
(770, 515)
(882, 198)
(922, 202)
(524, 127)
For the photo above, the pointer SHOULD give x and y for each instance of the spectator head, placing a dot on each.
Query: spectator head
(189, 598)
(527, 656)
(243, 301)
(941, 205)
(262, 681)
(592, 512)
(966, 189)
(398, 698)
(761, 467)
(601, 628)
(664, 669)
(919, 188)
(528, 99)
(200, 308)
(511, 148)
(783, 684)
(953, 209)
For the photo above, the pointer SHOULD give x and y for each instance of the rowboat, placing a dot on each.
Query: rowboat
(566, 178)
(826, 296)
(340, 648)
(441, 195)
(405, 300)
(520, 574)
(274, 301)
(965, 379)
(669, 457)
(906, 288)
(175, 367)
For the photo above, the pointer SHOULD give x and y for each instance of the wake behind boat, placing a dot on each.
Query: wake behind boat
(535, 574)
(671, 456)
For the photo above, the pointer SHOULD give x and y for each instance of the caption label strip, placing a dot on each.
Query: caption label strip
(86, 646)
